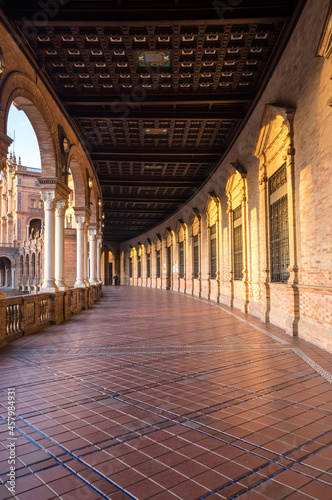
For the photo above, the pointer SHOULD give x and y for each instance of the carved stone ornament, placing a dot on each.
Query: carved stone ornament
(325, 43)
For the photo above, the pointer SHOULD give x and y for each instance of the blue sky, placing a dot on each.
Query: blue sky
(26, 144)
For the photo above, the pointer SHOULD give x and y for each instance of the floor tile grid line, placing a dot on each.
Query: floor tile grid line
(324, 373)
(130, 437)
(166, 411)
(271, 335)
(192, 421)
(74, 457)
(194, 375)
(285, 467)
(112, 348)
(34, 364)
(200, 431)
(264, 480)
(257, 469)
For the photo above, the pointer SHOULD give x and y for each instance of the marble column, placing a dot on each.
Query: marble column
(93, 255)
(6, 275)
(85, 254)
(99, 248)
(60, 244)
(80, 223)
(13, 279)
(49, 284)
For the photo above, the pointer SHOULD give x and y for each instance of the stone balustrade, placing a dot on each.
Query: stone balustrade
(27, 314)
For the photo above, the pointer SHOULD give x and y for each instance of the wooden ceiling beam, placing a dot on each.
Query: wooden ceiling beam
(163, 182)
(150, 156)
(153, 100)
(146, 201)
(133, 210)
(129, 114)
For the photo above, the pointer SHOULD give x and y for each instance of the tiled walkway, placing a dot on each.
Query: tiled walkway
(154, 394)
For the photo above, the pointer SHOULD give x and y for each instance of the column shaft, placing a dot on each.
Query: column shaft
(49, 243)
(93, 255)
(80, 223)
(60, 244)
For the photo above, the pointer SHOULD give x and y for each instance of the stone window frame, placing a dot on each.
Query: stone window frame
(158, 248)
(195, 222)
(148, 254)
(236, 192)
(275, 147)
(168, 240)
(181, 237)
(212, 210)
(139, 259)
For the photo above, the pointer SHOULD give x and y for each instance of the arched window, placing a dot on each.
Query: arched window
(27, 270)
(33, 268)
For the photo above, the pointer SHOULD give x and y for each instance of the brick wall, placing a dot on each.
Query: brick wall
(301, 80)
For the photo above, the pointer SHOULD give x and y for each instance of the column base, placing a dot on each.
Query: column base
(49, 287)
(80, 284)
(63, 288)
(93, 282)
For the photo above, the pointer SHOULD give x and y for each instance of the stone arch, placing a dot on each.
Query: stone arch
(33, 268)
(94, 208)
(6, 264)
(18, 88)
(9, 257)
(77, 165)
(27, 268)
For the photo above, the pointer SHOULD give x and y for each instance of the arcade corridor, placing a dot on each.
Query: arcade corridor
(153, 394)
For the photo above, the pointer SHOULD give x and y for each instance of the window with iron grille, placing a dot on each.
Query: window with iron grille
(148, 265)
(181, 259)
(213, 252)
(158, 263)
(139, 266)
(130, 267)
(196, 257)
(279, 232)
(237, 243)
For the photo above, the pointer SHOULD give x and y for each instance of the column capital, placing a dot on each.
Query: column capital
(61, 207)
(49, 197)
(80, 221)
(93, 229)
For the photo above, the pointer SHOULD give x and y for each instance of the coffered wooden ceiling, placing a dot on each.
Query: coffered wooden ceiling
(155, 133)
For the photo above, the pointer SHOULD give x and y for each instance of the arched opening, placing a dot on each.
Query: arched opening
(27, 270)
(21, 270)
(33, 269)
(25, 144)
(35, 227)
(5, 272)
(38, 270)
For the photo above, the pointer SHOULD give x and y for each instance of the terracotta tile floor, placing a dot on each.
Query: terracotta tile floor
(154, 394)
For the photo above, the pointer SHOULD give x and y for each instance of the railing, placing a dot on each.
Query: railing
(27, 314)
(14, 318)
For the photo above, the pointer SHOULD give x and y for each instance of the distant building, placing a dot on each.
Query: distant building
(22, 222)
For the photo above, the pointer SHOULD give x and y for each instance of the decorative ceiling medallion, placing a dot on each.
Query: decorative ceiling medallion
(154, 58)
(156, 131)
(2, 62)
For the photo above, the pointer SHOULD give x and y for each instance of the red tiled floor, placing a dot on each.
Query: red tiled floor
(158, 395)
